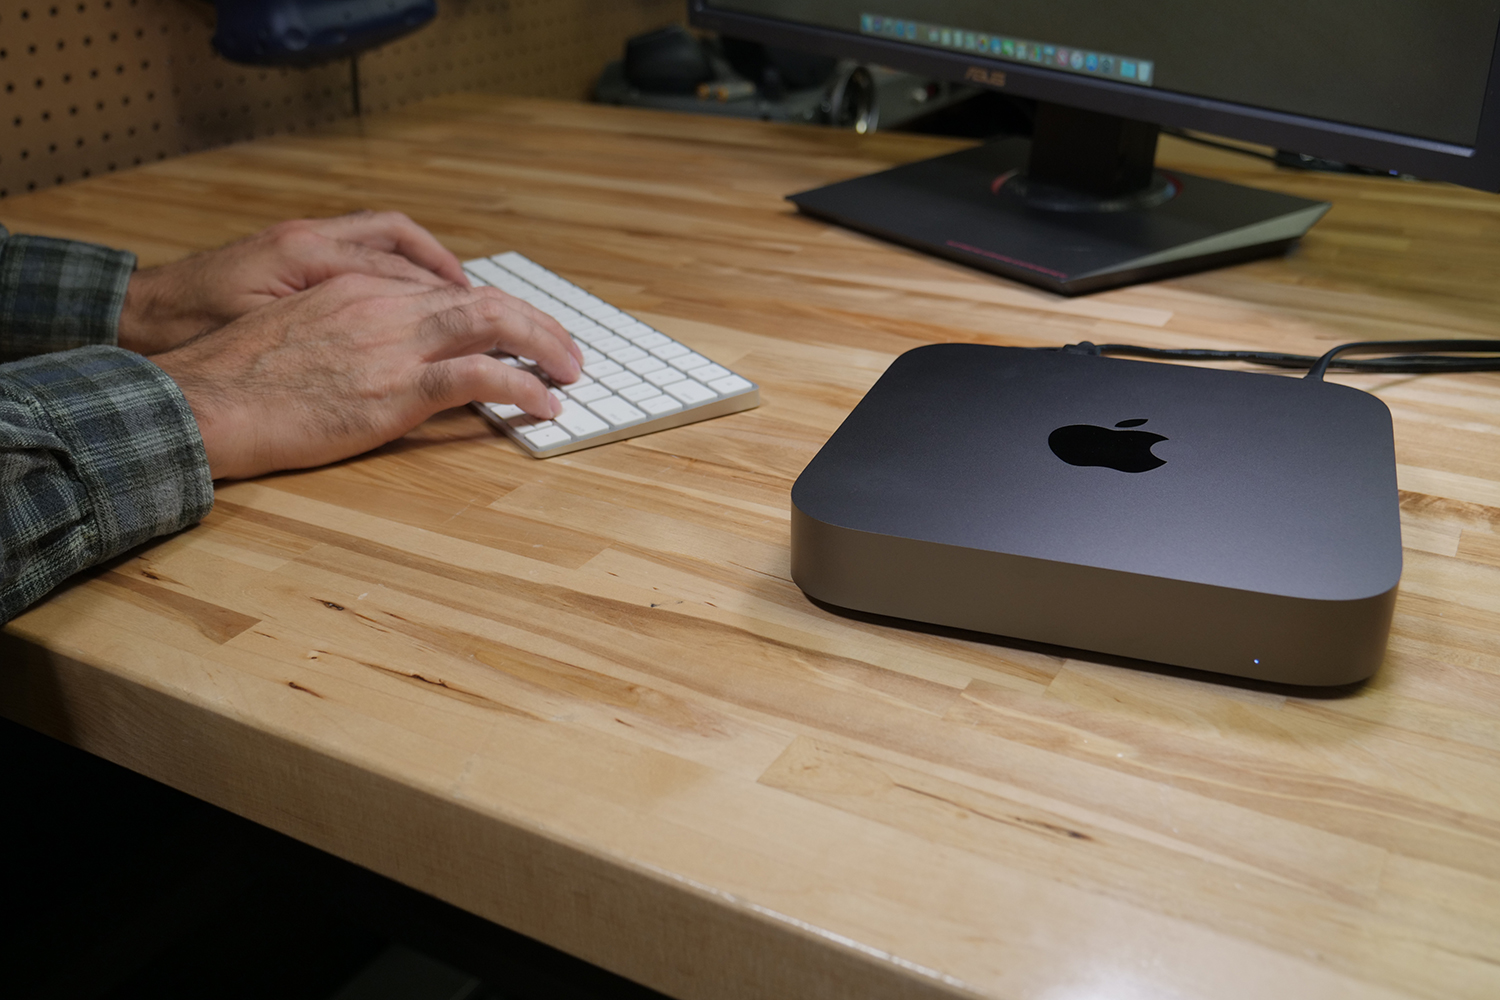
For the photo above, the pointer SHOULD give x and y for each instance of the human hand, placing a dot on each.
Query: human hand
(166, 305)
(355, 362)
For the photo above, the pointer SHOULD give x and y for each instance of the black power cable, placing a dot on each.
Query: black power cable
(1402, 364)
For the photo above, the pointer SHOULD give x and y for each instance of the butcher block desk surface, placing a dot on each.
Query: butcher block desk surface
(582, 697)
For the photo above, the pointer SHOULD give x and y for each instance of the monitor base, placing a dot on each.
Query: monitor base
(957, 206)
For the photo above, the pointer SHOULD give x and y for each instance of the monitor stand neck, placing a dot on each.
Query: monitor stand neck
(1083, 161)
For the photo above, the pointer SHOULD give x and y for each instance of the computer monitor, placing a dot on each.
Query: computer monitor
(1400, 85)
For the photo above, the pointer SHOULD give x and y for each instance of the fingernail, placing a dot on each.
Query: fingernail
(556, 406)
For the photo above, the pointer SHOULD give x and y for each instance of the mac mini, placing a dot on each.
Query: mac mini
(1229, 521)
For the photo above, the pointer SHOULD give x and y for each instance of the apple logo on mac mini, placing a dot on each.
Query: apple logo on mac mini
(1121, 450)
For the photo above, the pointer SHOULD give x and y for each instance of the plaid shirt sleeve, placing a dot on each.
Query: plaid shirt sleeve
(98, 448)
(58, 294)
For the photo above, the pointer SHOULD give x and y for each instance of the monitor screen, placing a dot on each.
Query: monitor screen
(1402, 68)
(1406, 66)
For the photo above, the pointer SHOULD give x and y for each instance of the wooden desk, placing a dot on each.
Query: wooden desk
(582, 697)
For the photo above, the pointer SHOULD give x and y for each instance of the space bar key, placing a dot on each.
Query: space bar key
(578, 421)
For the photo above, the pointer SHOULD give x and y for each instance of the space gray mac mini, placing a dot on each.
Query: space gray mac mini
(1229, 521)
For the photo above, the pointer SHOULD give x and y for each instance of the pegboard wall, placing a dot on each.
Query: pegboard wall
(93, 86)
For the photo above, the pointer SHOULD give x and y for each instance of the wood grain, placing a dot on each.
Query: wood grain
(583, 698)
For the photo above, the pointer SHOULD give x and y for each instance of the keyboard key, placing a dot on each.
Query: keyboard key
(576, 323)
(687, 391)
(687, 362)
(617, 411)
(548, 436)
(643, 365)
(650, 341)
(669, 351)
(519, 264)
(590, 355)
(620, 380)
(709, 372)
(599, 369)
(486, 271)
(591, 334)
(666, 376)
(657, 405)
(729, 384)
(611, 343)
(598, 312)
(588, 393)
(640, 391)
(578, 421)
(625, 355)
(618, 322)
(504, 410)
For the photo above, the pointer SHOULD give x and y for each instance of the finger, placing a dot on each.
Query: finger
(487, 320)
(393, 232)
(334, 257)
(385, 293)
(551, 326)
(457, 381)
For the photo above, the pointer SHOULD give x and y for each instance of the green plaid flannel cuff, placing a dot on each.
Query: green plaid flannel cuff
(59, 294)
(104, 454)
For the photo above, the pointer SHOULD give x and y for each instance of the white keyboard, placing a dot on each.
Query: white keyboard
(635, 379)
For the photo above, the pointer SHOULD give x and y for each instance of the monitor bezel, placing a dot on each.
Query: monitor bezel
(1476, 166)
